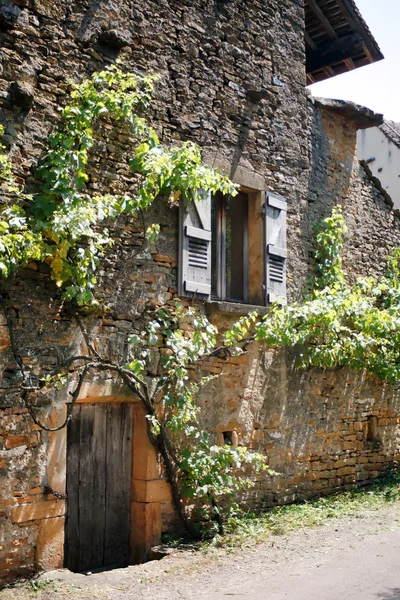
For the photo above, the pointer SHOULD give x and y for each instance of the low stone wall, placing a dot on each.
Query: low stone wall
(322, 431)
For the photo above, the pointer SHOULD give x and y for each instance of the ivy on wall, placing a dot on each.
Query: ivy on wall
(340, 324)
(64, 225)
(336, 325)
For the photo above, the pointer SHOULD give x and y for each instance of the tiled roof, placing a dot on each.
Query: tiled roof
(392, 131)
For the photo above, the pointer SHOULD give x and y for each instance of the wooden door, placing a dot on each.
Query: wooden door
(99, 471)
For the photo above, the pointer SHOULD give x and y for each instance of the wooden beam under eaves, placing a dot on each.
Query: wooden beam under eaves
(329, 71)
(322, 18)
(372, 53)
(310, 79)
(334, 51)
(309, 41)
(368, 54)
(349, 64)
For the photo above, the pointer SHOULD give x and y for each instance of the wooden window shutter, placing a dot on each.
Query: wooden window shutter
(275, 247)
(195, 246)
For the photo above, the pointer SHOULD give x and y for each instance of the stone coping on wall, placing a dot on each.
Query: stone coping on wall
(361, 116)
(377, 183)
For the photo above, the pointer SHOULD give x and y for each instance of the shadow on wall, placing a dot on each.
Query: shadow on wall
(393, 594)
(333, 155)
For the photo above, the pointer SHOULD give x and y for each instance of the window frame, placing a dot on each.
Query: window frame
(263, 238)
(253, 250)
(220, 293)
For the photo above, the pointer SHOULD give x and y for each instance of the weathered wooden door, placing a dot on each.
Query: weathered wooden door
(99, 471)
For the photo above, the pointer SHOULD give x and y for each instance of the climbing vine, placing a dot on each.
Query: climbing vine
(64, 225)
(337, 324)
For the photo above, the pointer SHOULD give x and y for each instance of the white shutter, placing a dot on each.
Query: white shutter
(275, 248)
(195, 246)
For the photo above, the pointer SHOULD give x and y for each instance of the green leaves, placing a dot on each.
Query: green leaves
(218, 470)
(206, 471)
(64, 225)
(341, 325)
(176, 172)
(329, 245)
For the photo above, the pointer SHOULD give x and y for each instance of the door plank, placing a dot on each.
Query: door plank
(72, 489)
(86, 524)
(118, 483)
(98, 506)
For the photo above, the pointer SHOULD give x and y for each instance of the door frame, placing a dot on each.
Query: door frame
(149, 490)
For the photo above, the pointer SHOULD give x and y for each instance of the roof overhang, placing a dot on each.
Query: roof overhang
(337, 39)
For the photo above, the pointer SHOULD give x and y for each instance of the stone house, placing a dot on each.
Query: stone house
(379, 147)
(233, 79)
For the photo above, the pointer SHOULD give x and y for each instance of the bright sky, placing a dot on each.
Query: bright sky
(378, 85)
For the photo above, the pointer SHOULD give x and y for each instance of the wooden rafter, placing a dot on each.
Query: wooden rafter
(334, 51)
(309, 41)
(322, 18)
(329, 71)
(349, 64)
(368, 53)
(358, 27)
(337, 38)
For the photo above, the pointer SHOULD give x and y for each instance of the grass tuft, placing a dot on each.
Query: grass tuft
(246, 529)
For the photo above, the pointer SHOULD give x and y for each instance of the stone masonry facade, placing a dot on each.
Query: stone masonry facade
(321, 431)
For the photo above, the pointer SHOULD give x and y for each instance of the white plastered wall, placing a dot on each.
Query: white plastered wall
(383, 158)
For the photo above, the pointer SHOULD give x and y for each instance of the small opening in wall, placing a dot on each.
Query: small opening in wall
(372, 432)
(228, 438)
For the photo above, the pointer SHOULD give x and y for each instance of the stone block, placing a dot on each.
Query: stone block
(13, 441)
(145, 465)
(22, 94)
(49, 553)
(346, 471)
(145, 529)
(56, 450)
(37, 511)
(48, 8)
(158, 490)
(116, 38)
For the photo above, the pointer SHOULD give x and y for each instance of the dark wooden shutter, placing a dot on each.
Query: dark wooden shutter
(275, 245)
(195, 247)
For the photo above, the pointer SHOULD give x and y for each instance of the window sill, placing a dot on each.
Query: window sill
(234, 308)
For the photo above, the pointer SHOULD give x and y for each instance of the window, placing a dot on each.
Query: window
(371, 434)
(230, 248)
(234, 248)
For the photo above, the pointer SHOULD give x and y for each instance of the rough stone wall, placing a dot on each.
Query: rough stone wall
(207, 54)
(315, 427)
(312, 426)
(338, 178)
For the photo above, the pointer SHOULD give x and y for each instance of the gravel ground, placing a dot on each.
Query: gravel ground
(349, 558)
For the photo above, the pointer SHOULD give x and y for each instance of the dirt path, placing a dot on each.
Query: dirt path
(352, 559)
